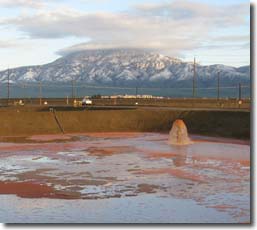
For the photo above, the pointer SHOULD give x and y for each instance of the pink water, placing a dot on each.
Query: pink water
(210, 177)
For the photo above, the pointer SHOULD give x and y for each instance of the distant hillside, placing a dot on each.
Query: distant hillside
(127, 67)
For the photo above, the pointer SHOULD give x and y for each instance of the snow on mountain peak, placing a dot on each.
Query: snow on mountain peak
(124, 67)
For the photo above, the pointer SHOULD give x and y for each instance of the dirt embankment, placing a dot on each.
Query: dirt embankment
(25, 122)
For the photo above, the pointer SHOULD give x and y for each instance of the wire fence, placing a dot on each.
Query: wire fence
(43, 90)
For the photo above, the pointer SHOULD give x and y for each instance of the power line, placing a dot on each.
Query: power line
(128, 88)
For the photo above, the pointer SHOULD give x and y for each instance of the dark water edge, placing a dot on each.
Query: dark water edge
(60, 91)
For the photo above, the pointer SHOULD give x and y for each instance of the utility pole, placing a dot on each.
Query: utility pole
(239, 91)
(72, 90)
(218, 86)
(40, 93)
(136, 92)
(23, 91)
(67, 100)
(75, 89)
(194, 80)
(83, 74)
(8, 86)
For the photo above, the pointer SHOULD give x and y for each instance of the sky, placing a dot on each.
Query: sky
(35, 32)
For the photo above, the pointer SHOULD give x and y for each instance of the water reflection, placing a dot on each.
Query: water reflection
(100, 167)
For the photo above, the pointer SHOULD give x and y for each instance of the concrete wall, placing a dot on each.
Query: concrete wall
(15, 122)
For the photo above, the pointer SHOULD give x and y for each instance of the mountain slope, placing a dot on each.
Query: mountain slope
(127, 67)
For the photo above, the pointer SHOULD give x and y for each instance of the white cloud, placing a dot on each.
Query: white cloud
(7, 44)
(170, 27)
(233, 38)
(22, 3)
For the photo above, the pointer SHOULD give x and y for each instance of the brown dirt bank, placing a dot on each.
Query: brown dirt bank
(213, 123)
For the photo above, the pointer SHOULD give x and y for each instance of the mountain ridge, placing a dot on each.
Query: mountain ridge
(126, 67)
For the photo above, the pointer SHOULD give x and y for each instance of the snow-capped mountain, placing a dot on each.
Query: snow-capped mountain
(126, 67)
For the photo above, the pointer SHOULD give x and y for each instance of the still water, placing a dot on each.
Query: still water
(140, 209)
(123, 178)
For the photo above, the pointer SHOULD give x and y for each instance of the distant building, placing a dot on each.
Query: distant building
(128, 96)
(147, 96)
(105, 97)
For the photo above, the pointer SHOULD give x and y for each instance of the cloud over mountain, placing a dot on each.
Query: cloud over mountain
(172, 27)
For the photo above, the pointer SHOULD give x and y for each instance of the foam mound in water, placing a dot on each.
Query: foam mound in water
(178, 133)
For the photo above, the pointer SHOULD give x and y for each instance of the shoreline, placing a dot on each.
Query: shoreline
(68, 137)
